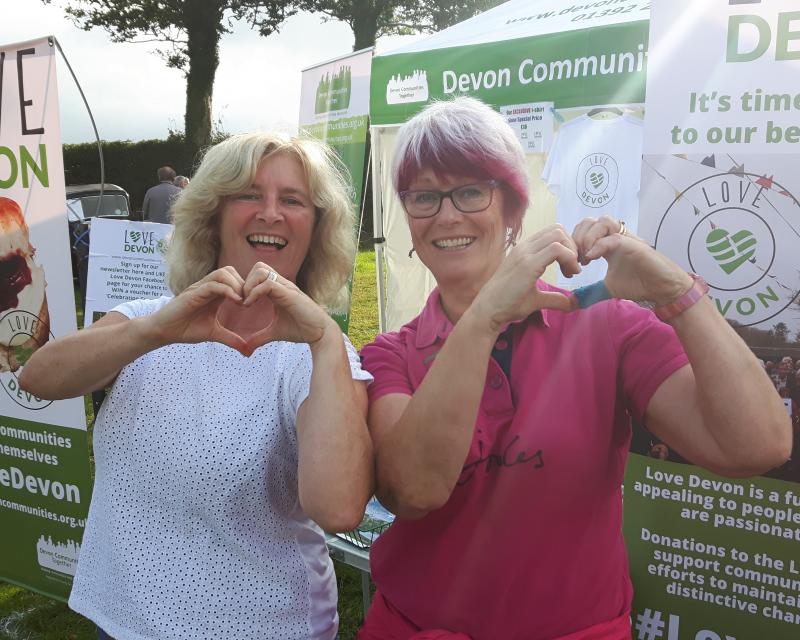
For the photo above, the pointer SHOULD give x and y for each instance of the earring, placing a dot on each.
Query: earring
(412, 251)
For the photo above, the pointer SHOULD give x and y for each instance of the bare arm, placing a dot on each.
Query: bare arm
(422, 440)
(720, 412)
(92, 358)
(87, 360)
(335, 460)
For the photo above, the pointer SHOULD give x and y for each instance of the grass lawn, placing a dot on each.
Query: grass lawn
(27, 616)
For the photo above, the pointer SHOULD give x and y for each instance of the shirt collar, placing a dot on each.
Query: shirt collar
(434, 323)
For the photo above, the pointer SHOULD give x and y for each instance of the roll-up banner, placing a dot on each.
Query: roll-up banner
(715, 558)
(44, 464)
(334, 108)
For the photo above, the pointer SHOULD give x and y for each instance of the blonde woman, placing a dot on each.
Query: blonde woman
(235, 406)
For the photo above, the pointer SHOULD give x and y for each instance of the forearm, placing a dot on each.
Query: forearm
(86, 360)
(420, 459)
(737, 401)
(335, 456)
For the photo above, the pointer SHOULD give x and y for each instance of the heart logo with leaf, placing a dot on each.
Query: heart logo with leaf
(596, 179)
(135, 235)
(731, 250)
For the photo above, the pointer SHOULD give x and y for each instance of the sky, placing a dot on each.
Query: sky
(134, 96)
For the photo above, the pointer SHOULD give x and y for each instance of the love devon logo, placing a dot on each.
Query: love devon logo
(734, 229)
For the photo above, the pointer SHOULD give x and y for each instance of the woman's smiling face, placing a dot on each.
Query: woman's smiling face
(272, 221)
(458, 247)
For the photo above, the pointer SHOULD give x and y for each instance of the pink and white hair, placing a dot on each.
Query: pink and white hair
(464, 137)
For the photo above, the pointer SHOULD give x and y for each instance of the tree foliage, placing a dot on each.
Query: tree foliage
(191, 30)
(371, 19)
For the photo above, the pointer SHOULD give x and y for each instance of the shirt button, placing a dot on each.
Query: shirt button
(496, 381)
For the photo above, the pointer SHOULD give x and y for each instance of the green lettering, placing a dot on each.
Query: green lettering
(784, 35)
(28, 162)
(732, 53)
(763, 297)
(745, 306)
(720, 308)
(12, 174)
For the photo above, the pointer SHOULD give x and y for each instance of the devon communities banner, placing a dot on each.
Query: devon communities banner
(569, 78)
(710, 557)
(334, 108)
(44, 466)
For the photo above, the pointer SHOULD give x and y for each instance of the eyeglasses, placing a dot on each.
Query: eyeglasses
(471, 198)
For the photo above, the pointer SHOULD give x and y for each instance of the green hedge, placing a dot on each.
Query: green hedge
(131, 165)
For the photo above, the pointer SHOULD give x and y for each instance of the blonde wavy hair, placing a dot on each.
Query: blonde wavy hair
(229, 168)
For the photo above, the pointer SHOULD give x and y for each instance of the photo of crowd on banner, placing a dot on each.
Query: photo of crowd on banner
(784, 372)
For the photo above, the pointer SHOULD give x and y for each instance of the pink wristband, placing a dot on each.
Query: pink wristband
(699, 288)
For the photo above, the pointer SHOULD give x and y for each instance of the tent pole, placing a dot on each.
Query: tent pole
(377, 223)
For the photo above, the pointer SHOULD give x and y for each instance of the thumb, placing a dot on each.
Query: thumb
(557, 301)
(232, 340)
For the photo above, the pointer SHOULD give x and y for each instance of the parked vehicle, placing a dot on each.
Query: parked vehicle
(82, 206)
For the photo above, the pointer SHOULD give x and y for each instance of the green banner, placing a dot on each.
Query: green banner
(334, 107)
(45, 485)
(600, 65)
(348, 137)
(44, 498)
(711, 558)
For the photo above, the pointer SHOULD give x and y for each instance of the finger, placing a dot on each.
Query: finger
(541, 240)
(258, 273)
(227, 276)
(603, 227)
(567, 258)
(579, 235)
(214, 290)
(604, 247)
(232, 340)
(233, 273)
(269, 287)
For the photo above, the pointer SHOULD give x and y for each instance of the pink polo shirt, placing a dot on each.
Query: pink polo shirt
(529, 545)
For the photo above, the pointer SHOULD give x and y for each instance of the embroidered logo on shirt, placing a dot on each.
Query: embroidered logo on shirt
(511, 455)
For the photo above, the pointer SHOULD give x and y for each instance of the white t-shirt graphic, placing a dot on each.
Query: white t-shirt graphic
(594, 169)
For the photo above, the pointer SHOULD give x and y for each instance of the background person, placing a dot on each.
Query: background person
(501, 414)
(216, 472)
(159, 199)
(180, 182)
